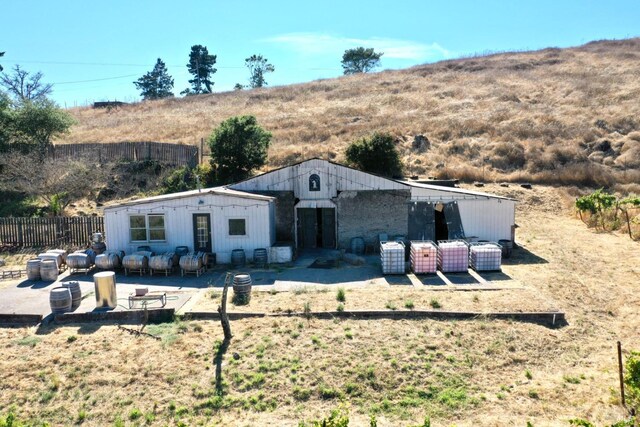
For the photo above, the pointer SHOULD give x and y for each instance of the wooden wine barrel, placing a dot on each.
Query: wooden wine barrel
(191, 262)
(242, 284)
(161, 262)
(135, 262)
(175, 258)
(182, 250)
(56, 257)
(76, 293)
(49, 270)
(260, 257)
(238, 258)
(78, 260)
(92, 255)
(147, 254)
(62, 252)
(99, 248)
(33, 269)
(60, 300)
(120, 254)
(108, 261)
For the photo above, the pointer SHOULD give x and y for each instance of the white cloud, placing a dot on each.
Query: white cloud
(320, 43)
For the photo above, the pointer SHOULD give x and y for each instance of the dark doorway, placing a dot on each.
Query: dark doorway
(316, 228)
(442, 230)
(202, 232)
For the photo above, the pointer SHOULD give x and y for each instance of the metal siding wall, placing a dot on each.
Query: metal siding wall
(179, 223)
(487, 219)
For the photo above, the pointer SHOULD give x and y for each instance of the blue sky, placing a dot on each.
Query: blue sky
(93, 50)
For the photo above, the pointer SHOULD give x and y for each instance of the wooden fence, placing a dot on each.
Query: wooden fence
(173, 154)
(54, 231)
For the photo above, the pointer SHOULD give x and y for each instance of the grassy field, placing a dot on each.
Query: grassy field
(464, 373)
(562, 116)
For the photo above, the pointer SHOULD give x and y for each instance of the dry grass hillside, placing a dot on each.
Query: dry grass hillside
(564, 116)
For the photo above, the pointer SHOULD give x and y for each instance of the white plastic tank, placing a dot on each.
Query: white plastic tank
(392, 257)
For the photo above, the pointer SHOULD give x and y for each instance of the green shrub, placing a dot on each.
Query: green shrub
(341, 297)
(632, 379)
(135, 414)
(377, 154)
(301, 393)
(434, 303)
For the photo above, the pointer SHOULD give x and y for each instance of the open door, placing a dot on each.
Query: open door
(454, 222)
(421, 221)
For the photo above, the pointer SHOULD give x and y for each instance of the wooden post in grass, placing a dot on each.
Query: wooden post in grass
(222, 309)
(621, 374)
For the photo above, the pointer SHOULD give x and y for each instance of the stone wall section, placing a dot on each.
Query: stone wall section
(366, 214)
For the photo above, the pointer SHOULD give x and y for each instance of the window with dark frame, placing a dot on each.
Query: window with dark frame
(237, 227)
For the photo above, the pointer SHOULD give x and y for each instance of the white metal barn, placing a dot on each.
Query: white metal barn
(311, 204)
(216, 220)
(324, 204)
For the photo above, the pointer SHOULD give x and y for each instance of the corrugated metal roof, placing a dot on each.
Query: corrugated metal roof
(219, 191)
(455, 190)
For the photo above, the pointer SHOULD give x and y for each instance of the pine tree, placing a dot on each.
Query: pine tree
(360, 60)
(201, 67)
(155, 84)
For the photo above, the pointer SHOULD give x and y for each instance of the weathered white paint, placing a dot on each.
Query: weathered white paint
(489, 219)
(486, 216)
(178, 210)
(333, 178)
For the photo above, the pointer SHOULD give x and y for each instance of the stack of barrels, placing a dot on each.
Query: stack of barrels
(97, 243)
(47, 265)
(65, 298)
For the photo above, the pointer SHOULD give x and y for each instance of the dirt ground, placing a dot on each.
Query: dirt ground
(280, 372)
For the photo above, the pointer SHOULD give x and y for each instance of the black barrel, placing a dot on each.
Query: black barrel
(182, 250)
(260, 258)
(238, 258)
(357, 245)
(507, 247)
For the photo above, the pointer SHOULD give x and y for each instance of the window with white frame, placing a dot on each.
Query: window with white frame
(147, 228)
(237, 227)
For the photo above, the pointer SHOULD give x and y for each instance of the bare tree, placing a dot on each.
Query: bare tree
(58, 182)
(24, 86)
